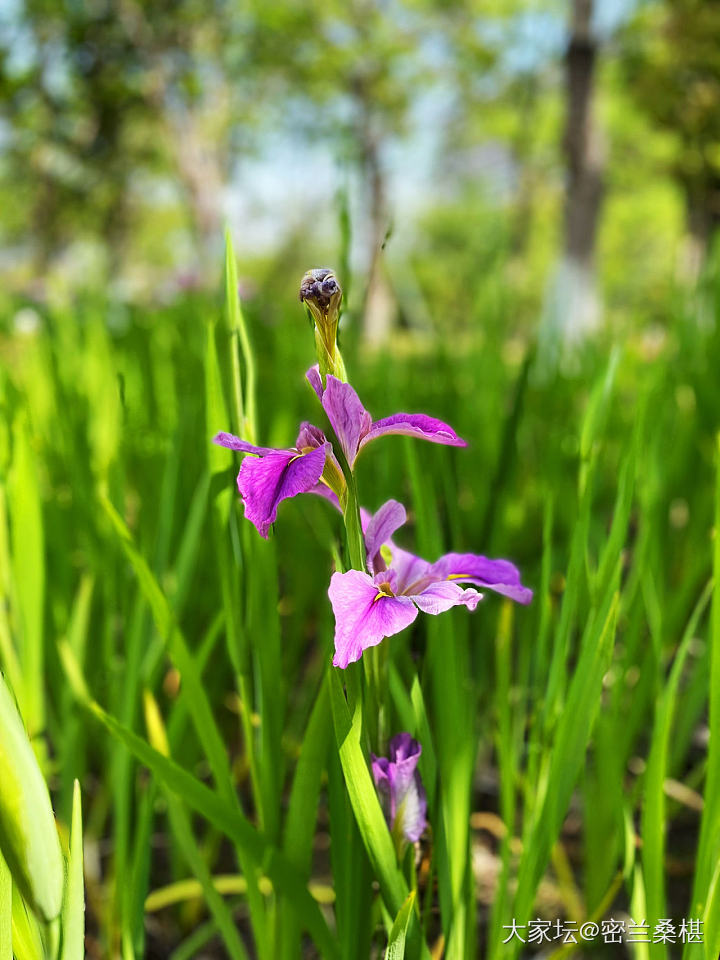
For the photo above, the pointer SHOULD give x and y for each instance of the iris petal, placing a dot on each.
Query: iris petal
(414, 425)
(264, 482)
(348, 417)
(353, 424)
(378, 530)
(235, 443)
(362, 619)
(499, 575)
(439, 597)
(400, 788)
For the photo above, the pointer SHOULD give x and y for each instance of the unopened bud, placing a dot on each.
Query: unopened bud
(322, 295)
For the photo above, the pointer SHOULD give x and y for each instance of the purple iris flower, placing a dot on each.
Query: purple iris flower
(371, 606)
(402, 794)
(354, 427)
(271, 476)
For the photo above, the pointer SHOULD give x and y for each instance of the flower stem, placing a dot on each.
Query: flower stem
(353, 525)
(372, 711)
(375, 659)
(368, 705)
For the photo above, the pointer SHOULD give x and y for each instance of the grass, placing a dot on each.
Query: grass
(177, 665)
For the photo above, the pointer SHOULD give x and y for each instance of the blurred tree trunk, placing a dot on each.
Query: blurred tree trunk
(585, 161)
(202, 176)
(197, 129)
(44, 225)
(379, 304)
(522, 146)
(379, 307)
(702, 195)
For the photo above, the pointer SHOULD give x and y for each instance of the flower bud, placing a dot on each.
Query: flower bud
(402, 794)
(28, 837)
(322, 296)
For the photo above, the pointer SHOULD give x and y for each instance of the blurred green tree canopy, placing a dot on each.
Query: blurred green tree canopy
(672, 68)
(129, 133)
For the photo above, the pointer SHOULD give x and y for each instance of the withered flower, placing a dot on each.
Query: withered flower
(322, 295)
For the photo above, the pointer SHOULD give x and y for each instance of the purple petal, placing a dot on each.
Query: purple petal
(365, 518)
(414, 425)
(400, 788)
(309, 436)
(380, 769)
(404, 755)
(322, 490)
(235, 443)
(363, 617)
(403, 746)
(498, 575)
(348, 417)
(413, 573)
(407, 795)
(265, 482)
(315, 380)
(411, 811)
(353, 424)
(385, 579)
(380, 528)
(441, 596)
(381, 775)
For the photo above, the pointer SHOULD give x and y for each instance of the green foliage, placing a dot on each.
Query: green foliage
(73, 912)
(567, 748)
(569, 727)
(28, 839)
(5, 911)
(673, 71)
(398, 933)
(125, 133)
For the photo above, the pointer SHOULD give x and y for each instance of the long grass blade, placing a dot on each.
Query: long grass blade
(302, 809)
(709, 841)
(213, 807)
(73, 913)
(568, 752)
(28, 836)
(28, 562)
(363, 797)
(654, 810)
(6, 947)
(398, 933)
(201, 711)
(182, 830)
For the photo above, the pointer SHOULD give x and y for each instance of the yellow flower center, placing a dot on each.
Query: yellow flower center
(384, 590)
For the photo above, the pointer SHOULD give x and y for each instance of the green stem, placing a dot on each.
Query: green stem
(353, 525)
(374, 659)
(366, 708)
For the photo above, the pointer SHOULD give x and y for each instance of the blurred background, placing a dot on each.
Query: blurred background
(541, 158)
(520, 198)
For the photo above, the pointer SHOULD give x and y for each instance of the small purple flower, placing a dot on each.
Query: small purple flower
(371, 606)
(354, 427)
(271, 476)
(401, 791)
